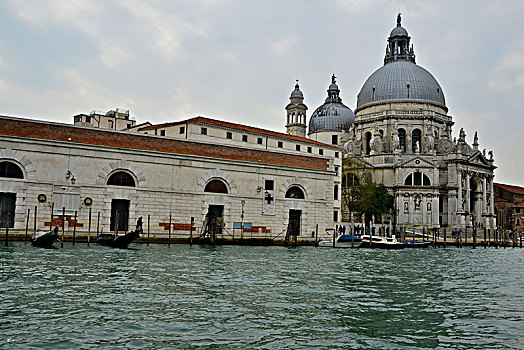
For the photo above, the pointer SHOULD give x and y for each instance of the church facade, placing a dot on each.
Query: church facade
(403, 132)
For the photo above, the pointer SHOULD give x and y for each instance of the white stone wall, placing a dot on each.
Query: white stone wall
(166, 184)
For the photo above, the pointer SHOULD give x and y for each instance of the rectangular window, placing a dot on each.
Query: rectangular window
(259, 140)
(280, 144)
(518, 222)
(88, 119)
(309, 150)
(229, 135)
(335, 216)
(182, 130)
(336, 154)
(244, 138)
(162, 133)
(334, 139)
(517, 210)
(418, 178)
(269, 185)
(321, 151)
(298, 147)
(336, 170)
(203, 131)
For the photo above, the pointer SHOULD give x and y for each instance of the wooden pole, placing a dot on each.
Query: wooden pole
(34, 225)
(74, 229)
(485, 237)
(27, 225)
(148, 227)
(63, 227)
(52, 210)
(445, 237)
(98, 226)
(7, 228)
(89, 227)
(191, 232)
(316, 234)
(169, 239)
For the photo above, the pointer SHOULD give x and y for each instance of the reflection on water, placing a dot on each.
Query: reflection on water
(260, 297)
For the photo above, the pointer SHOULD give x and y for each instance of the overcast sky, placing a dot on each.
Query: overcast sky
(238, 60)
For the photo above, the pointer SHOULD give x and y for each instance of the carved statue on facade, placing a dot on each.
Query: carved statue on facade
(430, 140)
(417, 202)
(376, 142)
(417, 147)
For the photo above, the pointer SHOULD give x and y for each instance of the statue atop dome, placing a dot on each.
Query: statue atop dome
(398, 19)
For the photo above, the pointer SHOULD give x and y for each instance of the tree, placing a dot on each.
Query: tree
(371, 199)
(355, 171)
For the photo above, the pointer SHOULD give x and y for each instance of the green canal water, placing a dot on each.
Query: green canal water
(229, 297)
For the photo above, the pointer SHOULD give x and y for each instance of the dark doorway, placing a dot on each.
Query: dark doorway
(120, 214)
(294, 222)
(214, 220)
(7, 209)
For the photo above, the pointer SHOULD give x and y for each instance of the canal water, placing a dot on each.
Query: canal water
(260, 297)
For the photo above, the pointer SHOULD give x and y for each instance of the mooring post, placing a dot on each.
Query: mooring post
(191, 232)
(445, 237)
(474, 235)
(89, 227)
(335, 236)
(520, 240)
(27, 225)
(63, 227)
(7, 228)
(316, 235)
(169, 239)
(148, 227)
(97, 225)
(74, 229)
(485, 237)
(34, 225)
(52, 212)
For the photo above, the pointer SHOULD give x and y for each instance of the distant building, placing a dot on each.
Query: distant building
(509, 205)
(114, 119)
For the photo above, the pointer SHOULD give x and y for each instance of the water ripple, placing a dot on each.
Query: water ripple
(260, 297)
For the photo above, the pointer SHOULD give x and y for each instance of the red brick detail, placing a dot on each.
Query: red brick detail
(254, 229)
(62, 132)
(215, 122)
(176, 227)
(57, 221)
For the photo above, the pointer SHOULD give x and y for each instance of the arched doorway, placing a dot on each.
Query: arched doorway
(475, 198)
(368, 141)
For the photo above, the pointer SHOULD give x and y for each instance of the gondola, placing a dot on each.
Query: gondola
(116, 241)
(45, 239)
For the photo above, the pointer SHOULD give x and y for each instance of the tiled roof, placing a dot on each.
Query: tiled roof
(499, 199)
(510, 188)
(220, 123)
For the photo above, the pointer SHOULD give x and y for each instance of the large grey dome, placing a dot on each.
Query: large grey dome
(333, 115)
(400, 80)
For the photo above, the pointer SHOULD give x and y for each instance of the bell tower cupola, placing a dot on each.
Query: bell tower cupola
(296, 113)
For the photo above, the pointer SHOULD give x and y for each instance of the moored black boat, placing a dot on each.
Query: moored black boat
(417, 244)
(116, 241)
(45, 239)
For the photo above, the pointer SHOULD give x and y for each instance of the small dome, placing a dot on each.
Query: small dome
(297, 92)
(397, 31)
(390, 82)
(331, 116)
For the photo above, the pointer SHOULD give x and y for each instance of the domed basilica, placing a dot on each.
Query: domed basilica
(402, 134)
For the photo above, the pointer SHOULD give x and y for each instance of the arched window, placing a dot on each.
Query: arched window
(402, 139)
(295, 192)
(368, 141)
(417, 179)
(335, 192)
(216, 186)
(8, 169)
(416, 135)
(121, 178)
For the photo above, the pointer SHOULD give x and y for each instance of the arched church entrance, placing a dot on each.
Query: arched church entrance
(475, 198)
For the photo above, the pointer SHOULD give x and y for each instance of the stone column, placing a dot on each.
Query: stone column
(468, 193)
(459, 194)
(484, 179)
